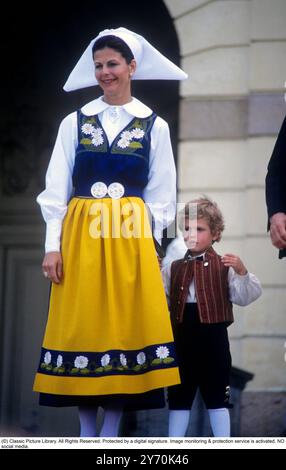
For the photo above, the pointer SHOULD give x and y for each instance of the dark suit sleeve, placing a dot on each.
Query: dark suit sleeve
(275, 182)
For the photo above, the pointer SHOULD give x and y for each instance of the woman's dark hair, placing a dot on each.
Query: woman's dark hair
(114, 43)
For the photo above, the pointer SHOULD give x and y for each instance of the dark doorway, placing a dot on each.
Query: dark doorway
(38, 51)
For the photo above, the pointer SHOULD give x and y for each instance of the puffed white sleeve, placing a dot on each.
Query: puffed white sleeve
(243, 289)
(160, 192)
(54, 199)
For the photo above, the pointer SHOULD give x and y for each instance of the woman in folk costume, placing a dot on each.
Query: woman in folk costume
(108, 340)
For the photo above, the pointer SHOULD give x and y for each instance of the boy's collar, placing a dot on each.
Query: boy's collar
(191, 257)
(209, 252)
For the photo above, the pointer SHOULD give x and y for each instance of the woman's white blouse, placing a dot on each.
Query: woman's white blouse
(160, 192)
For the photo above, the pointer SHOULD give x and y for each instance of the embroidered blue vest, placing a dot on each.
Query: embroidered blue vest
(125, 161)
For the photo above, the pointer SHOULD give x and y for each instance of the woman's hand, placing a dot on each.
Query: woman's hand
(235, 262)
(53, 266)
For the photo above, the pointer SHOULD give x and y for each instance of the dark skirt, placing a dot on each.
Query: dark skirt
(141, 401)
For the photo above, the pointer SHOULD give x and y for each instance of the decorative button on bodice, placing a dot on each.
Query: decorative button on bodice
(98, 189)
(115, 190)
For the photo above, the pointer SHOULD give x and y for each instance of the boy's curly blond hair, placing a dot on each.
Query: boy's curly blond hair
(204, 208)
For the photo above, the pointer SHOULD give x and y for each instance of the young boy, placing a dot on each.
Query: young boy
(201, 288)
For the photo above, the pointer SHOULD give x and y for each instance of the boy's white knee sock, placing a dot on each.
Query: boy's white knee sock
(220, 422)
(178, 422)
(87, 418)
(111, 422)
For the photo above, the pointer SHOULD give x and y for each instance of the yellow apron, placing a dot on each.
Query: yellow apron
(108, 330)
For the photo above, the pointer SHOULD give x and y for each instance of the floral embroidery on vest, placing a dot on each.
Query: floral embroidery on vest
(130, 141)
(94, 132)
(94, 135)
(131, 138)
(127, 138)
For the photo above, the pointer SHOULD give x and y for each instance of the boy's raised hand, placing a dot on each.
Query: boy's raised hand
(235, 262)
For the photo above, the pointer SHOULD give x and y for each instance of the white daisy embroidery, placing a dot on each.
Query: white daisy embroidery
(125, 139)
(137, 133)
(59, 360)
(141, 358)
(98, 140)
(47, 358)
(162, 352)
(123, 143)
(81, 362)
(97, 132)
(87, 128)
(123, 360)
(126, 135)
(105, 360)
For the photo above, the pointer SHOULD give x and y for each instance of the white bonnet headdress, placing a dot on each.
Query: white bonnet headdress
(151, 64)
